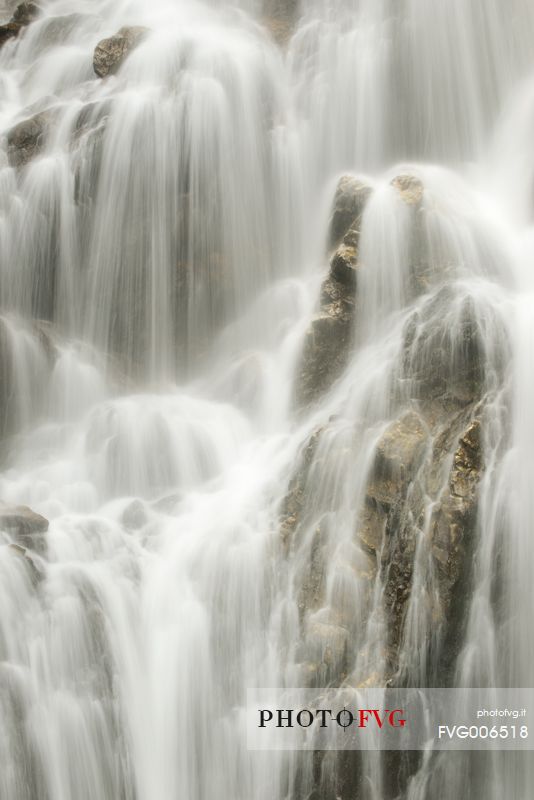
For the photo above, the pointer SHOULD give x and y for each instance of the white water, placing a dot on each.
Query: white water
(173, 233)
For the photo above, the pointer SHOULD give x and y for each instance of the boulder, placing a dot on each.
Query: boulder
(25, 527)
(27, 139)
(23, 15)
(410, 189)
(279, 17)
(111, 53)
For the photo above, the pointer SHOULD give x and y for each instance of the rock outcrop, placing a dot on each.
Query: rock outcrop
(421, 492)
(23, 15)
(28, 138)
(328, 341)
(350, 199)
(111, 53)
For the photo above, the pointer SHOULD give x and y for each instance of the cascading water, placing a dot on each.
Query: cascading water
(258, 472)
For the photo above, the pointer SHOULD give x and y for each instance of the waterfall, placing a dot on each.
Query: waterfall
(266, 347)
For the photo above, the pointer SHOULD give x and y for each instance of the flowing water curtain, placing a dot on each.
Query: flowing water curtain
(163, 201)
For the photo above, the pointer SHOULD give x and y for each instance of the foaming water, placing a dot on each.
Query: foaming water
(161, 257)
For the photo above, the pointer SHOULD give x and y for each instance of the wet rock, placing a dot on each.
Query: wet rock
(453, 519)
(111, 53)
(410, 189)
(328, 341)
(344, 266)
(386, 529)
(327, 644)
(372, 527)
(25, 526)
(27, 139)
(58, 30)
(398, 456)
(325, 354)
(452, 530)
(313, 582)
(23, 15)
(34, 572)
(279, 17)
(293, 503)
(444, 352)
(349, 202)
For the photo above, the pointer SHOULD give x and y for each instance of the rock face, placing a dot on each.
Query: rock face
(28, 138)
(328, 341)
(415, 527)
(23, 15)
(25, 526)
(349, 203)
(111, 53)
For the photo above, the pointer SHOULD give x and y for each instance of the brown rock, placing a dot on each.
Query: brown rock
(410, 189)
(25, 526)
(398, 456)
(23, 15)
(349, 202)
(111, 53)
(279, 17)
(329, 339)
(27, 139)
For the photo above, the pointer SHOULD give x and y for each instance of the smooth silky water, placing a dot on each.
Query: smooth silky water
(168, 244)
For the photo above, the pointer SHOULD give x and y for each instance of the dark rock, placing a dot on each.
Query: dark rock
(453, 518)
(444, 354)
(344, 266)
(293, 503)
(329, 339)
(25, 526)
(27, 139)
(398, 455)
(406, 474)
(23, 15)
(349, 202)
(111, 53)
(324, 357)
